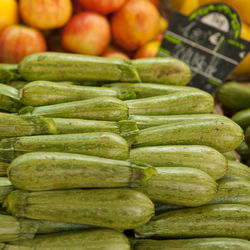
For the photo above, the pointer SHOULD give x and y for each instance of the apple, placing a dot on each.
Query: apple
(45, 14)
(149, 49)
(115, 54)
(18, 41)
(87, 33)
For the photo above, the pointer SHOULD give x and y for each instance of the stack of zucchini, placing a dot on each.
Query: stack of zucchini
(103, 153)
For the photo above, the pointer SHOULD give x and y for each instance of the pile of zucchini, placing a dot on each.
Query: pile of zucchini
(108, 154)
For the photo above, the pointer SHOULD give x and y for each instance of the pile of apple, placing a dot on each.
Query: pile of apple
(109, 28)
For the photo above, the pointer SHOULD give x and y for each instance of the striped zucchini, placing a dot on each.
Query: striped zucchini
(230, 155)
(222, 134)
(200, 157)
(237, 170)
(147, 121)
(5, 188)
(193, 244)
(180, 186)
(232, 191)
(244, 150)
(107, 145)
(9, 100)
(126, 128)
(242, 118)
(51, 66)
(41, 93)
(166, 70)
(94, 239)
(41, 171)
(197, 102)
(8, 72)
(13, 125)
(219, 220)
(113, 208)
(3, 168)
(99, 108)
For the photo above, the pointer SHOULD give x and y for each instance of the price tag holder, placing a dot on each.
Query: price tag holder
(208, 40)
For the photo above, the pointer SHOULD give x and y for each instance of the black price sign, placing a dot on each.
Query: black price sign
(209, 41)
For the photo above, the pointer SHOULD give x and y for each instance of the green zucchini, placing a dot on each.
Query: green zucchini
(113, 208)
(9, 99)
(13, 125)
(200, 157)
(218, 220)
(232, 191)
(180, 186)
(197, 102)
(247, 135)
(222, 134)
(147, 121)
(234, 95)
(5, 188)
(99, 108)
(230, 155)
(237, 170)
(94, 239)
(17, 84)
(164, 207)
(51, 66)
(193, 244)
(41, 93)
(3, 168)
(242, 118)
(41, 171)
(126, 128)
(168, 70)
(244, 150)
(103, 144)
(8, 72)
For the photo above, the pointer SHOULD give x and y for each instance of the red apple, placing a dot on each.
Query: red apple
(102, 6)
(86, 33)
(45, 14)
(18, 41)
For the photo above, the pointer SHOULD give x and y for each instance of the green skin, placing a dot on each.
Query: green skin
(242, 118)
(237, 170)
(222, 134)
(193, 244)
(13, 125)
(168, 70)
(51, 66)
(99, 108)
(247, 135)
(102, 144)
(8, 72)
(234, 95)
(179, 103)
(230, 156)
(164, 207)
(9, 100)
(5, 188)
(48, 171)
(3, 168)
(94, 239)
(17, 84)
(219, 220)
(180, 186)
(112, 208)
(200, 157)
(244, 150)
(236, 191)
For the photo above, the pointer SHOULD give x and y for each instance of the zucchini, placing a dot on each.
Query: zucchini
(168, 70)
(5, 188)
(218, 220)
(3, 168)
(230, 156)
(247, 135)
(9, 99)
(147, 121)
(197, 102)
(41, 93)
(232, 191)
(17, 84)
(94, 239)
(164, 207)
(99, 108)
(113, 208)
(13, 125)
(222, 134)
(193, 244)
(180, 186)
(103, 144)
(200, 157)
(237, 170)
(242, 118)
(234, 95)
(41, 171)
(126, 128)
(51, 66)
(244, 150)
(8, 72)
